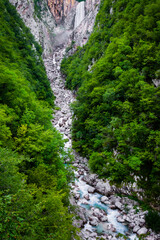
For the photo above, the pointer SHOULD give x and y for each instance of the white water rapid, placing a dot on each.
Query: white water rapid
(80, 14)
(103, 215)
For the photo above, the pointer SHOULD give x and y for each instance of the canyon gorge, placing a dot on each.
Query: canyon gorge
(104, 211)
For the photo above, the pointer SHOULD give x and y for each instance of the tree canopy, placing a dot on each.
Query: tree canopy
(34, 188)
(116, 115)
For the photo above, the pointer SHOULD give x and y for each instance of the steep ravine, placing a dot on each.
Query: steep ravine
(102, 213)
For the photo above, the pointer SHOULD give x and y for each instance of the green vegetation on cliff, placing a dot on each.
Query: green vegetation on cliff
(33, 180)
(117, 111)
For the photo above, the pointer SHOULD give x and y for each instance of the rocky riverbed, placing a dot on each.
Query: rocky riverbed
(103, 214)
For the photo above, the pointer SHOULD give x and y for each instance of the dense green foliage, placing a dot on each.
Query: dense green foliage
(117, 110)
(153, 221)
(33, 179)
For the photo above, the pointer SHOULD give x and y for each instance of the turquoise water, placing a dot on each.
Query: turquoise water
(96, 203)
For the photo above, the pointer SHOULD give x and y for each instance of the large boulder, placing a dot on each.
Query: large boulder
(97, 213)
(136, 229)
(77, 196)
(118, 205)
(90, 179)
(91, 190)
(93, 221)
(142, 231)
(87, 197)
(103, 188)
(105, 200)
(120, 219)
(104, 218)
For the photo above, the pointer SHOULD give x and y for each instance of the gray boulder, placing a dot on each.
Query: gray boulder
(104, 200)
(142, 231)
(87, 197)
(91, 190)
(93, 221)
(104, 219)
(103, 188)
(136, 229)
(118, 205)
(120, 219)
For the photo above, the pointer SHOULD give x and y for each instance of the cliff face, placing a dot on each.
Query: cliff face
(60, 8)
(58, 22)
(42, 26)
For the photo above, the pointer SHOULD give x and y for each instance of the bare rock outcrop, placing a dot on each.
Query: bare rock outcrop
(41, 27)
(60, 9)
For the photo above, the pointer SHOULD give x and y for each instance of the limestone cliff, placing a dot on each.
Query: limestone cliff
(60, 8)
(58, 22)
(42, 27)
(77, 24)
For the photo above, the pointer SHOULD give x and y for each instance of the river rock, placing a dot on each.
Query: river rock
(120, 219)
(93, 221)
(150, 238)
(90, 178)
(87, 197)
(114, 199)
(75, 164)
(135, 229)
(97, 213)
(93, 235)
(104, 200)
(91, 190)
(141, 222)
(118, 205)
(104, 219)
(77, 196)
(132, 225)
(84, 202)
(103, 188)
(72, 200)
(128, 219)
(60, 122)
(142, 231)
(112, 206)
(81, 172)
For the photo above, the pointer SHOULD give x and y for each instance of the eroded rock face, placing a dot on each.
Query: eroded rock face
(60, 8)
(58, 22)
(42, 28)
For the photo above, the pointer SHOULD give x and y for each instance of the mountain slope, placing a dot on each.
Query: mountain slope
(33, 180)
(117, 110)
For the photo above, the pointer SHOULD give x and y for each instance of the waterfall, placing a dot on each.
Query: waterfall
(80, 14)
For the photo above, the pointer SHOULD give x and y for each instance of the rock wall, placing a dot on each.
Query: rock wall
(75, 24)
(60, 9)
(42, 28)
(59, 22)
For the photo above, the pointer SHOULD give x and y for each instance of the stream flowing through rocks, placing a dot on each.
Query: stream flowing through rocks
(102, 213)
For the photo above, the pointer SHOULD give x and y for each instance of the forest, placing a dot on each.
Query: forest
(117, 111)
(34, 190)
